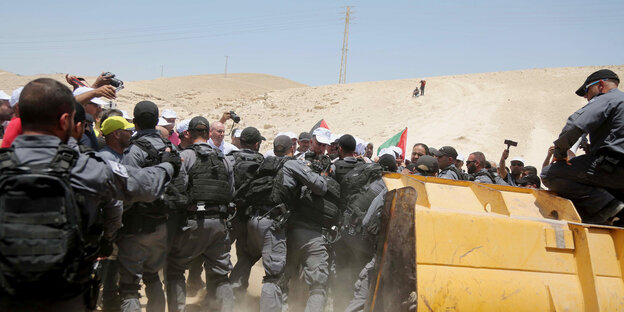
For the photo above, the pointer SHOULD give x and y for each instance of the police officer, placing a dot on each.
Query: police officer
(427, 166)
(594, 181)
(447, 156)
(313, 200)
(46, 110)
(143, 240)
(477, 164)
(211, 187)
(266, 231)
(353, 250)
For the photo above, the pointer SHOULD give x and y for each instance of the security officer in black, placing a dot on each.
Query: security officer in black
(313, 199)
(266, 231)
(46, 111)
(206, 235)
(246, 162)
(143, 240)
(594, 181)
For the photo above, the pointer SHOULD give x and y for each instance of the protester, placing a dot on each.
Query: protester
(418, 150)
(14, 128)
(217, 133)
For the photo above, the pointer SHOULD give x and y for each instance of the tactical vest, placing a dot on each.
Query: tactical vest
(46, 251)
(245, 167)
(144, 217)
(322, 210)
(267, 188)
(459, 173)
(358, 194)
(343, 166)
(209, 178)
(474, 176)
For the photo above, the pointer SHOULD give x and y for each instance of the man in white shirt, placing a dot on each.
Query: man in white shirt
(217, 133)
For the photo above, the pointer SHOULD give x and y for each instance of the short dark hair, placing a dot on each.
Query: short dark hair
(530, 179)
(424, 146)
(110, 113)
(347, 143)
(80, 115)
(42, 102)
(530, 169)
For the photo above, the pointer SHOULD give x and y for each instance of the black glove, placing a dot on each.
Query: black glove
(174, 160)
(106, 248)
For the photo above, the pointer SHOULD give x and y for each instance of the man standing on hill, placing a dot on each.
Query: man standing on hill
(422, 87)
(594, 181)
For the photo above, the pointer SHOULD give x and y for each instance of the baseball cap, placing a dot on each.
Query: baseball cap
(598, 75)
(95, 100)
(446, 151)
(334, 137)
(125, 114)
(347, 142)
(460, 157)
(252, 135)
(199, 123)
(4, 96)
(397, 150)
(281, 144)
(520, 159)
(305, 136)
(15, 96)
(162, 122)
(169, 113)
(115, 123)
(322, 135)
(183, 125)
(427, 165)
(388, 162)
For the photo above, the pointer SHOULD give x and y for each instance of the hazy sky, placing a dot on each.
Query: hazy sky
(302, 40)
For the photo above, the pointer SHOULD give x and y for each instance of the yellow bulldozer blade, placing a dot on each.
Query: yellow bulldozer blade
(462, 246)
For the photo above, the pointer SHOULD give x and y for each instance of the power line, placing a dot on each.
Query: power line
(345, 49)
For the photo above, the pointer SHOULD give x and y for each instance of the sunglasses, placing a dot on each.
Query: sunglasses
(591, 84)
(470, 162)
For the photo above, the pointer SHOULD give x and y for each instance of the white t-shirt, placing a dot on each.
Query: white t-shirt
(225, 147)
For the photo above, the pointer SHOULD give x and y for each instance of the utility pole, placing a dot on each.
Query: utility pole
(226, 61)
(345, 48)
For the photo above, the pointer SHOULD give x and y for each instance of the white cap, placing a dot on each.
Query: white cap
(459, 157)
(237, 133)
(397, 150)
(15, 96)
(520, 159)
(162, 122)
(387, 151)
(95, 100)
(183, 125)
(125, 115)
(322, 135)
(169, 113)
(4, 96)
(289, 134)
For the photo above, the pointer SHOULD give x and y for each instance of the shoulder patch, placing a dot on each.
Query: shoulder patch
(118, 168)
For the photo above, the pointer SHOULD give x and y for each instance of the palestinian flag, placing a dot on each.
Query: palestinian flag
(320, 124)
(399, 139)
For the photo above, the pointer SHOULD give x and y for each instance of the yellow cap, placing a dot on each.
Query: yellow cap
(115, 123)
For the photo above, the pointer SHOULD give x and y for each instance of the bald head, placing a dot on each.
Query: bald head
(217, 132)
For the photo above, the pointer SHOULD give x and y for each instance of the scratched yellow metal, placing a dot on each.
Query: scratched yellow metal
(483, 247)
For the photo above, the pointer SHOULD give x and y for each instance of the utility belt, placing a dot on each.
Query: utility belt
(607, 162)
(350, 224)
(266, 211)
(209, 211)
(332, 234)
(143, 218)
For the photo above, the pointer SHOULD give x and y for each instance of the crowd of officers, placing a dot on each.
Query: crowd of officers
(309, 209)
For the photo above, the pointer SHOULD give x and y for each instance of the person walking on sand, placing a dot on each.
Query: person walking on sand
(422, 87)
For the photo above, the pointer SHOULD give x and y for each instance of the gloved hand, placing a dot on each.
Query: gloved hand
(174, 160)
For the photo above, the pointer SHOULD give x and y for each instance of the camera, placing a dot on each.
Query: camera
(234, 117)
(113, 81)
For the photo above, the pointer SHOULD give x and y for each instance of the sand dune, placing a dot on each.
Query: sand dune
(471, 112)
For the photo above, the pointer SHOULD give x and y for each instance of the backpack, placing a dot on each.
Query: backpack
(357, 194)
(323, 210)
(42, 245)
(245, 167)
(266, 189)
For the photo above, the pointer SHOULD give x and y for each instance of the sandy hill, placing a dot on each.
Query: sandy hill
(470, 112)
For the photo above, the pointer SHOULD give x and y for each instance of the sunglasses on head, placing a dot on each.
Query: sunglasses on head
(591, 84)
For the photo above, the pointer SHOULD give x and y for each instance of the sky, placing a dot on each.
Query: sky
(302, 40)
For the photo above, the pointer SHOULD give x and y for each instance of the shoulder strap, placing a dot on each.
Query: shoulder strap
(64, 160)
(147, 147)
(8, 158)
